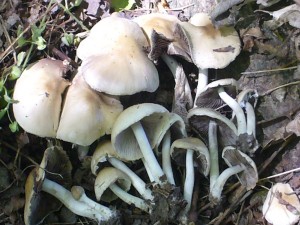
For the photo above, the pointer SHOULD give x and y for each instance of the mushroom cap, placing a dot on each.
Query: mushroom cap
(106, 177)
(104, 149)
(199, 119)
(202, 159)
(164, 34)
(281, 206)
(211, 47)
(209, 98)
(113, 58)
(249, 176)
(152, 117)
(39, 204)
(38, 94)
(87, 115)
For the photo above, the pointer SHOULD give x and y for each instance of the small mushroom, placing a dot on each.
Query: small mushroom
(114, 60)
(129, 134)
(46, 179)
(119, 183)
(38, 93)
(106, 152)
(210, 47)
(192, 146)
(240, 165)
(282, 206)
(87, 115)
(167, 38)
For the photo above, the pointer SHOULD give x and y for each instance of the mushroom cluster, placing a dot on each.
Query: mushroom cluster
(118, 59)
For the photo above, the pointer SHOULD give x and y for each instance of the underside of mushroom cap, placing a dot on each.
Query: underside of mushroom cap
(209, 97)
(38, 94)
(106, 177)
(150, 115)
(55, 166)
(202, 159)
(233, 157)
(164, 34)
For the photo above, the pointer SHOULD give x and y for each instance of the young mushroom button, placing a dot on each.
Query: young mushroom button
(114, 59)
(38, 94)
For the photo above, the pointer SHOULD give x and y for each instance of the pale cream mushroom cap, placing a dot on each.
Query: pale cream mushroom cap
(87, 115)
(277, 213)
(202, 158)
(152, 117)
(104, 149)
(106, 177)
(38, 92)
(114, 60)
(211, 47)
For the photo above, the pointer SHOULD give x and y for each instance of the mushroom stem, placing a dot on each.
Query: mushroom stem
(189, 179)
(151, 178)
(166, 159)
(202, 82)
(77, 207)
(82, 151)
(147, 152)
(216, 190)
(236, 108)
(79, 194)
(213, 151)
(128, 198)
(251, 121)
(137, 182)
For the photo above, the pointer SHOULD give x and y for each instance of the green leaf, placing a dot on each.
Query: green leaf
(119, 5)
(68, 39)
(20, 58)
(15, 73)
(13, 126)
(77, 2)
(41, 43)
(21, 41)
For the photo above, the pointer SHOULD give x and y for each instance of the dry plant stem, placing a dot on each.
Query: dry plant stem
(214, 154)
(65, 196)
(128, 198)
(166, 159)
(147, 152)
(189, 179)
(236, 108)
(137, 182)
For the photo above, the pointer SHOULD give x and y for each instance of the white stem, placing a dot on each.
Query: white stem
(65, 196)
(251, 120)
(189, 179)
(202, 83)
(236, 108)
(82, 197)
(151, 178)
(128, 198)
(137, 182)
(213, 151)
(217, 189)
(147, 152)
(166, 158)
